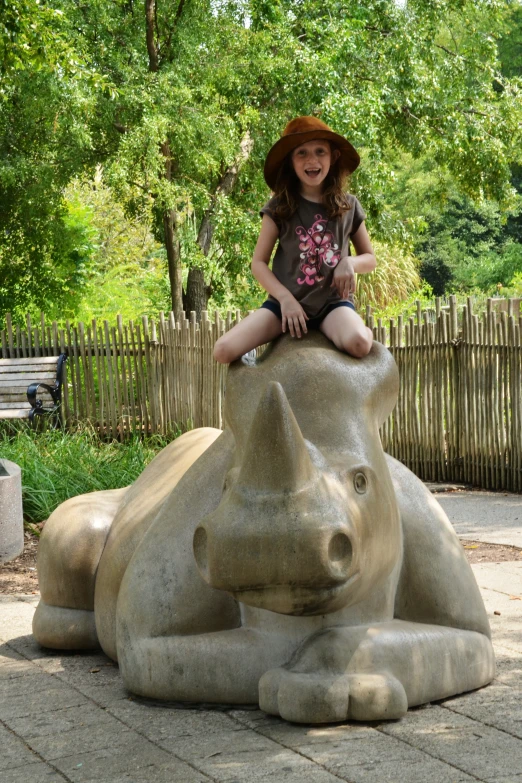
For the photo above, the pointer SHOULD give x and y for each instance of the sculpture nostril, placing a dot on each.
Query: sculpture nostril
(201, 552)
(340, 551)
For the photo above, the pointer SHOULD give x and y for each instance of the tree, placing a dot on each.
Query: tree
(177, 89)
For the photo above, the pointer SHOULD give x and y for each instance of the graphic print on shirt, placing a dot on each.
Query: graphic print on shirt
(318, 247)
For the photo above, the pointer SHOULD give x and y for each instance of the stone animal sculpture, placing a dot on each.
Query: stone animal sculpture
(287, 560)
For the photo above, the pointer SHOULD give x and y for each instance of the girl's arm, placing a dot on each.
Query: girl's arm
(292, 313)
(349, 266)
(365, 260)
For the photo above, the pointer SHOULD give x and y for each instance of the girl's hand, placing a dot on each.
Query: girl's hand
(293, 316)
(344, 278)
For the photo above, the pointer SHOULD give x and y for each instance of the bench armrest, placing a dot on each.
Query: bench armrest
(32, 391)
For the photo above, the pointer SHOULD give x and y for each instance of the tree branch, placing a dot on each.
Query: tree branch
(225, 186)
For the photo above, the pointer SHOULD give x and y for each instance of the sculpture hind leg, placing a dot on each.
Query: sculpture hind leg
(88, 542)
(437, 584)
(68, 556)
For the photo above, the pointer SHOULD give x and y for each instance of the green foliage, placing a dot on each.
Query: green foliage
(462, 244)
(81, 89)
(58, 465)
(126, 272)
(395, 279)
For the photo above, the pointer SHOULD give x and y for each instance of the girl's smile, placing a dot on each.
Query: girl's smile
(312, 161)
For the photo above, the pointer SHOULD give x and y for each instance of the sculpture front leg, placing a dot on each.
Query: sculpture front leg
(376, 672)
(220, 667)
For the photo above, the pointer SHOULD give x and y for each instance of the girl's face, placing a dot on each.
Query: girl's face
(312, 161)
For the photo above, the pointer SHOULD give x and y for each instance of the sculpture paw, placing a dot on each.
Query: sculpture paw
(325, 698)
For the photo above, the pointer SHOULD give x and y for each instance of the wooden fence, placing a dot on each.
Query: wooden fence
(458, 417)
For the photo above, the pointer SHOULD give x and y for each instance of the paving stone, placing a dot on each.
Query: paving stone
(174, 772)
(88, 738)
(508, 779)
(33, 773)
(278, 764)
(13, 666)
(494, 517)
(506, 628)
(466, 744)
(17, 617)
(296, 736)
(131, 758)
(54, 697)
(13, 751)
(496, 705)
(509, 667)
(18, 686)
(26, 645)
(157, 722)
(203, 745)
(61, 721)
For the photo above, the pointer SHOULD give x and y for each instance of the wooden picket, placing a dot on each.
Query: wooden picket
(458, 416)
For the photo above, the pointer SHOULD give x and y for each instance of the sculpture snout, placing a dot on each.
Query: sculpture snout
(262, 556)
(281, 535)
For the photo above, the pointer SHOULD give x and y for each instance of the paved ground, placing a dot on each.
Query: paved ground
(494, 517)
(68, 718)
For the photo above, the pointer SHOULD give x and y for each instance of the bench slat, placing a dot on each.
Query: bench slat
(8, 405)
(33, 377)
(15, 413)
(5, 398)
(27, 369)
(30, 360)
(21, 385)
(21, 391)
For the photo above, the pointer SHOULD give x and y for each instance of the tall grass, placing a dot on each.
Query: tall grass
(395, 279)
(57, 465)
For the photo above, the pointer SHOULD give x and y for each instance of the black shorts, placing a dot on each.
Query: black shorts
(312, 323)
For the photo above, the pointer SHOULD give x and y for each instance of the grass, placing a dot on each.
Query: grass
(58, 465)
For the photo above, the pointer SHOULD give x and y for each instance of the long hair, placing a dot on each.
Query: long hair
(287, 189)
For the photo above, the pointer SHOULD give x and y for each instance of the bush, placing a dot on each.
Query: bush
(58, 465)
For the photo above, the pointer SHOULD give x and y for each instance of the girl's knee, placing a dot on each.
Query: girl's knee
(359, 345)
(223, 351)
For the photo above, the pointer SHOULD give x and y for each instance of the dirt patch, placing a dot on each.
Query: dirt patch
(477, 552)
(19, 576)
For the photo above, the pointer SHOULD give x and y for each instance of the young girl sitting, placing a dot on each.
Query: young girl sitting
(312, 281)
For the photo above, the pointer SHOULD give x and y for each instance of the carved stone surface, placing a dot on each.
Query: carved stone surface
(287, 561)
(11, 515)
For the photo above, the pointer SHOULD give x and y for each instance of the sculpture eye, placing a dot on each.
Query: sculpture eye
(360, 483)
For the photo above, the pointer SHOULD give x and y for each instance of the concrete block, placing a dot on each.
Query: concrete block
(11, 514)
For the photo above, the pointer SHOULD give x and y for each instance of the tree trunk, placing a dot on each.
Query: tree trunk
(174, 263)
(169, 216)
(198, 292)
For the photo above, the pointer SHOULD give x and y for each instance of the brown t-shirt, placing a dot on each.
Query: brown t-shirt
(310, 247)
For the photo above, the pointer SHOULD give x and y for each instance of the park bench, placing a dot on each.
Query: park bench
(31, 387)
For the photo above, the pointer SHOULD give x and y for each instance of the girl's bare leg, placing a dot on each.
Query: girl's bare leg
(257, 328)
(347, 331)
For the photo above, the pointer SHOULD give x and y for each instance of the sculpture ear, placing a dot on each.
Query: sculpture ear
(374, 381)
(383, 381)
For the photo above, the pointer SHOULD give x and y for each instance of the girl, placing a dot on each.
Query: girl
(313, 275)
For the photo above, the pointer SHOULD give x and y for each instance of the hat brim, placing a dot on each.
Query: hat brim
(349, 158)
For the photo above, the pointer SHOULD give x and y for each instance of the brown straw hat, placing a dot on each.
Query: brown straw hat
(298, 132)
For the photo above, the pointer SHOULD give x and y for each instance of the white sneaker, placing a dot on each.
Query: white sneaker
(250, 358)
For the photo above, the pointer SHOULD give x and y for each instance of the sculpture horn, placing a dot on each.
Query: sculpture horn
(276, 458)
